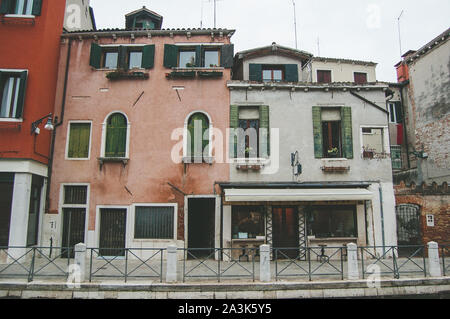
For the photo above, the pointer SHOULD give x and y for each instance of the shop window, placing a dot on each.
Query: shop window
(332, 222)
(247, 222)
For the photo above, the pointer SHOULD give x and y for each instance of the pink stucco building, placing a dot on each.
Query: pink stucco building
(125, 173)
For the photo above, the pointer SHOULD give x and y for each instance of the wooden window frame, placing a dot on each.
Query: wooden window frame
(104, 132)
(329, 138)
(68, 141)
(360, 73)
(322, 70)
(273, 68)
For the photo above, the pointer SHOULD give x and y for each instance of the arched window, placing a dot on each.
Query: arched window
(198, 136)
(116, 136)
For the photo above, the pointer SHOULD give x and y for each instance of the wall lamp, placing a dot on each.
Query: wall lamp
(420, 154)
(48, 126)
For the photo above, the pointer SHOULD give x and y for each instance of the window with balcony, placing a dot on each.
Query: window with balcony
(198, 56)
(122, 57)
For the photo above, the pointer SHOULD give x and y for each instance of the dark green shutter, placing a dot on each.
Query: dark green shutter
(6, 6)
(170, 56)
(116, 136)
(255, 71)
(264, 125)
(317, 130)
(291, 73)
(79, 140)
(347, 135)
(148, 56)
(37, 6)
(123, 57)
(96, 56)
(22, 93)
(198, 56)
(234, 124)
(227, 56)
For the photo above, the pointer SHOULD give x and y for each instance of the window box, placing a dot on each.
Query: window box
(209, 74)
(181, 75)
(338, 165)
(103, 160)
(121, 74)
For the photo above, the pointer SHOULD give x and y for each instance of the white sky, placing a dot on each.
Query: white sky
(353, 29)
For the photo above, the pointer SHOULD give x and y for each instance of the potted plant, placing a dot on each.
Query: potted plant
(333, 152)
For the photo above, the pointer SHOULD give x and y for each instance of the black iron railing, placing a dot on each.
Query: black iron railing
(445, 254)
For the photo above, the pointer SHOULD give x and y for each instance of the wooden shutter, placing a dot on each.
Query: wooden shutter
(317, 131)
(79, 140)
(37, 6)
(255, 71)
(148, 56)
(291, 73)
(96, 56)
(347, 135)
(116, 136)
(170, 56)
(123, 57)
(6, 6)
(22, 94)
(227, 56)
(264, 125)
(234, 124)
(198, 56)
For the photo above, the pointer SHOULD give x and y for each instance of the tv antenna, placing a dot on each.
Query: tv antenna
(399, 33)
(215, 12)
(295, 24)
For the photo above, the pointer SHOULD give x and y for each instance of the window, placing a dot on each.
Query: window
(21, 7)
(200, 56)
(79, 140)
(395, 113)
(360, 78)
(198, 131)
(12, 90)
(373, 142)
(323, 76)
(273, 73)
(247, 222)
(250, 132)
(332, 222)
(116, 136)
(332, 131)
(154, 222)
(122, 57)
(396, 156)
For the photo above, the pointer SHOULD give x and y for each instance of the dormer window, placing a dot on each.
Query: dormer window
(273, 73)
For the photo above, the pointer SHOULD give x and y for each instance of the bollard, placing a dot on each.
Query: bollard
(264, 263)
(352, 262)
(171, 275)
(80, 260)
(434, 264)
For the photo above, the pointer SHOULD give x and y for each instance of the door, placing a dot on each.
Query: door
(201, 226)
(6, 194)
(73, 230)
(112, 231)
(408, 228)
(285, 231)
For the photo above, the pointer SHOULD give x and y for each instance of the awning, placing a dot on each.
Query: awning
(302, 195)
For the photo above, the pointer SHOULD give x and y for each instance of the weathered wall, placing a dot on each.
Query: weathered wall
(430, 93)
(343, 72)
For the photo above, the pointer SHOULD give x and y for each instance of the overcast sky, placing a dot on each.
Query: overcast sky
(353, 29)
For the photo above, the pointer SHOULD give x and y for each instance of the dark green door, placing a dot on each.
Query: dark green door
(112, 231)
(73, 230)
(6, 194)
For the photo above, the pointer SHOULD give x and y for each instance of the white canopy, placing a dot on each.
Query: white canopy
(302, 195)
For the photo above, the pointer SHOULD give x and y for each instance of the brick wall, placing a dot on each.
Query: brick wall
(433, 199)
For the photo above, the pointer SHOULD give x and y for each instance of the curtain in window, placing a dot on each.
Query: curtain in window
(198, 139)
(116, 136)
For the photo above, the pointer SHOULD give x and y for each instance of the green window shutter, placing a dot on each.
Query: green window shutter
(6, 6)
(198, 56)
(255, 71)
(116, 136)
(264, 125)
(79, 140)
(317, 130)
(227, 56)
(22, 93)
(37, 7)
(347, 135)
(123, 57)
(234, 123)
(148, 56)
(291, 73)
(170, 56)
(96, 56)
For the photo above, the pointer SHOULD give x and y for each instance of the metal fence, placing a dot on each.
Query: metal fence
(218, 264)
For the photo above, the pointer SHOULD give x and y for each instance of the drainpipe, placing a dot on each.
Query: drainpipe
(405, 131)
(382, 220)
(56, 125)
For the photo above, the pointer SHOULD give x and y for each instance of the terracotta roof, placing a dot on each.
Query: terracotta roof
(339, 60)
